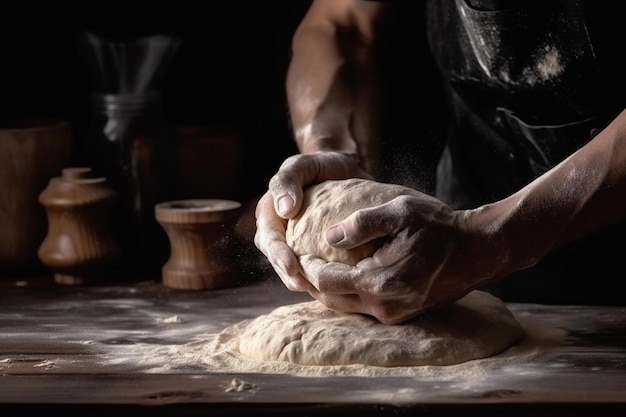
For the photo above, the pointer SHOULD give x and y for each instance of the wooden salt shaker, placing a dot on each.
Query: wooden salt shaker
(79, 247)
(199, 232)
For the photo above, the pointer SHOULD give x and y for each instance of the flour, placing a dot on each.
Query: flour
(219, 353)
(469, 337)
(238, 385)
(473, 344)
(173, 319)
(549, 64)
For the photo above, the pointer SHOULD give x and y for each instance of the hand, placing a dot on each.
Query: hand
(432, 255)
(284, 199)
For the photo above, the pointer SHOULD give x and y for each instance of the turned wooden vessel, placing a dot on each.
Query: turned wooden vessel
(79, 246)
(200, 233)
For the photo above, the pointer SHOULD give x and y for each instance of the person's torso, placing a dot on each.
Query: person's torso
(530, 82)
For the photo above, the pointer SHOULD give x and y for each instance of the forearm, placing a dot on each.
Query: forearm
(583, 194)
(334, 92)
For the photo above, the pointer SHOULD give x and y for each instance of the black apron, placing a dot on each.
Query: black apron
(527, 88)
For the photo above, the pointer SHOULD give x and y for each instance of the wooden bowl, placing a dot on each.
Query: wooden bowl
(200, 232)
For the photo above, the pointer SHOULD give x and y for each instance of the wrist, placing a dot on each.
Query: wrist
(494, 246)
(516, 239)
(309, 145)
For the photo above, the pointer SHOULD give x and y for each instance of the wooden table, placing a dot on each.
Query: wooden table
(53, 339)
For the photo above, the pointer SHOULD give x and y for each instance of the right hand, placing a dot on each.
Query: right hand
(283, 201)
(432, 255)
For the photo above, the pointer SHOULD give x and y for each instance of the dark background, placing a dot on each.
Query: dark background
(228, 72)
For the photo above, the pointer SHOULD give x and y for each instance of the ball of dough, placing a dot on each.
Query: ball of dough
(328, 203)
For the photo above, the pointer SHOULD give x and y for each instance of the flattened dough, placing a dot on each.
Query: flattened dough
(475, 327)
(331, 201)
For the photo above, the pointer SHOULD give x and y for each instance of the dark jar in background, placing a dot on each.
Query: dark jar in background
(132, 145)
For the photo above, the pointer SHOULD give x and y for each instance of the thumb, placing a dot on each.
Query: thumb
(357, 229)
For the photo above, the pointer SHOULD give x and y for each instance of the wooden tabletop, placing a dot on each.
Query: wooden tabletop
(70, 348)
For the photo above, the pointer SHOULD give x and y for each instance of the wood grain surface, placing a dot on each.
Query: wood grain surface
(53, 340)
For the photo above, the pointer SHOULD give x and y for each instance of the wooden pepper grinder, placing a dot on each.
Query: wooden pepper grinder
(199, 232)
(79, 247)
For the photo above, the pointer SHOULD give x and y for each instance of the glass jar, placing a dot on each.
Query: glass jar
(131, 144)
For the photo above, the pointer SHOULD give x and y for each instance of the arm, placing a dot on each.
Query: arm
(583, 194)
(333, 97)
(333, 85)
(434, 255)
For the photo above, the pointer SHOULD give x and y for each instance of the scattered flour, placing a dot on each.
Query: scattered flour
(219, 353)
(173, 319)
(46, 364)
(238, 385)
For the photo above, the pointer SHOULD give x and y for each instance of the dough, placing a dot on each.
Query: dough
(330, 202)
(475, 327)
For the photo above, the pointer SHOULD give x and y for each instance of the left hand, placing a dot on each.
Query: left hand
(295, 173)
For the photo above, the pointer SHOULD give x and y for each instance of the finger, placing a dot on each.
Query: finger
(343, 288)
(286, 266)
(369, 224)
(329, 277)
(344, 303)
(269, 227)
(286, 186)
(286, 195)
(300, 171)
(269, 238)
